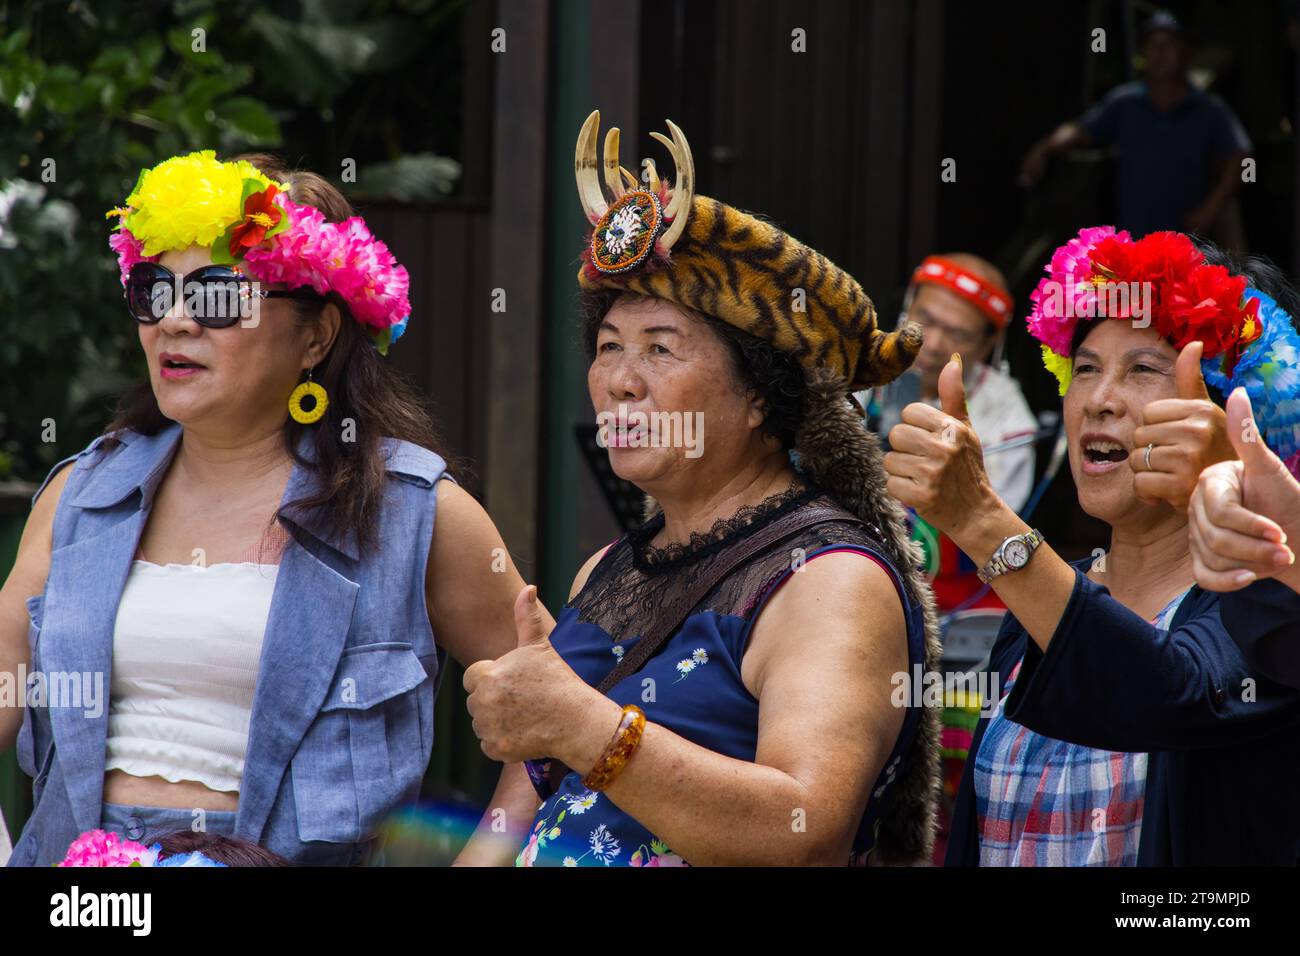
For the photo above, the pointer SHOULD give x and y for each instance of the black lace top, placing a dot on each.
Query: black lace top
(692, 685)
(634, 579)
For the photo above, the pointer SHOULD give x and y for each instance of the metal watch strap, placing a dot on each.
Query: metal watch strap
(997, 564)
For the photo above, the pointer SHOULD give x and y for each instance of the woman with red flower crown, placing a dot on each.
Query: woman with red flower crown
(1126, 727)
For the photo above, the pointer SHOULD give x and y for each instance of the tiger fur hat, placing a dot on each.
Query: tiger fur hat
(708, 256)
(704, 255)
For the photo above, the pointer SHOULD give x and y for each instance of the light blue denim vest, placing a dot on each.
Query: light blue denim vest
(342, 720)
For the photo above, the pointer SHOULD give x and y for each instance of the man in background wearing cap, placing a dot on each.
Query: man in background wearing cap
(1180, 150)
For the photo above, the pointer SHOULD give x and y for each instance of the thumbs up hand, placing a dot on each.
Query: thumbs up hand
(952, 390)
(533, 623)
(1185, 435)
(524, 701)
(1244, 512)
(935, 463)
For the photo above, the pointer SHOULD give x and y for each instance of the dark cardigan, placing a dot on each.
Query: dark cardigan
(1264, 620)
(1223, 776)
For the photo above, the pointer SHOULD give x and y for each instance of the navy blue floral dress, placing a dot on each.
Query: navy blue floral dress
(692, 686)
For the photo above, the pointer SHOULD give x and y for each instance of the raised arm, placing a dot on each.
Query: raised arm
(1088, 653)
(1068, 135)
(937, 467)
(1186, 687)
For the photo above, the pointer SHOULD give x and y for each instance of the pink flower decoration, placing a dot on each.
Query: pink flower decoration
(104, 848)
(342, 257)
(293, 256)
(1054, 317)
(129, 249)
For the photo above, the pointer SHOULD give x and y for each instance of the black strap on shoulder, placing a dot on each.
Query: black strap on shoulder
(674, 614)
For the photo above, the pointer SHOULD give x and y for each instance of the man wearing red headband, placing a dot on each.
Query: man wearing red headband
(962, 303)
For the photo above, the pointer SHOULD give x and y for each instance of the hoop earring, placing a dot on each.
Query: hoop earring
(317, 400)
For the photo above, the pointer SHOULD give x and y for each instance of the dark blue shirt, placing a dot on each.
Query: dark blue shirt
(1223, 776)
(1167, 158)
(1264, 620)
(698, 694)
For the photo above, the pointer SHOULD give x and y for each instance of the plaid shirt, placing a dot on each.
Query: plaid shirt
(1045, 802)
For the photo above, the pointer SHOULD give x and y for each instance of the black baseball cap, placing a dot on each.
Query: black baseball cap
(1161, 20)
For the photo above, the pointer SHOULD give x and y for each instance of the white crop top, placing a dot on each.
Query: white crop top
(186, 646)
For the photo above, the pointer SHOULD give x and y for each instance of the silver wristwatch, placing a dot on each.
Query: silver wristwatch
(1012, 555)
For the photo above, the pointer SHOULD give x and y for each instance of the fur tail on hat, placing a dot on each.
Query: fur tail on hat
(844, 458)
(887, 355)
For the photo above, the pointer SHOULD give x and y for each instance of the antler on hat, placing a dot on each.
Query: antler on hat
(705, 255)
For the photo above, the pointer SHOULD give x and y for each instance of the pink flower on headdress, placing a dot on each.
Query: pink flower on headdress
(129, 249)
(1054, 316)
(382, 294)
(291, 257)
(105, 848)
(340, 257)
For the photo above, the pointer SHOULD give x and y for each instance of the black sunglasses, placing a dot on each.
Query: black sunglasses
(214, 296)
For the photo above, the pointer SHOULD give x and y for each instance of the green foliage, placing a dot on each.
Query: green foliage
(87, 99)
(418, 177)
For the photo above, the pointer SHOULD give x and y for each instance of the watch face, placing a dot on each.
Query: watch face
(1016, 554)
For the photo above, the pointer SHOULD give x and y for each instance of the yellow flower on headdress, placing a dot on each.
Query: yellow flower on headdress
(188, 200)
(1062, 366)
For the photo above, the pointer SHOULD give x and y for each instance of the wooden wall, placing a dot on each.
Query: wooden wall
(444, 349)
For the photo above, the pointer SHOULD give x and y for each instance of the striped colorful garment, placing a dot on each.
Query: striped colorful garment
(961, 714)
(1045, 802)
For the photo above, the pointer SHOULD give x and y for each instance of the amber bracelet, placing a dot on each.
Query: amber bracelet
(618, 751)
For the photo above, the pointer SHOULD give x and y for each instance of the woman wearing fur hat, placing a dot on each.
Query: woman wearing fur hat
(1128, 729)
(722, 679)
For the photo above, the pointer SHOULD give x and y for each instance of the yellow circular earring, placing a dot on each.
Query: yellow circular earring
(308, 402)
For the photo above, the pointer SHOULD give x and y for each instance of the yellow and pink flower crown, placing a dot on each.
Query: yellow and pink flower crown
(246, 218)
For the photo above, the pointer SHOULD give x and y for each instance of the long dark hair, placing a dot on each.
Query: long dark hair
(361, 387)
(1261, 273)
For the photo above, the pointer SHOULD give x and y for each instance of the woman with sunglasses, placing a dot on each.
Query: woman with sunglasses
(242, 580)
